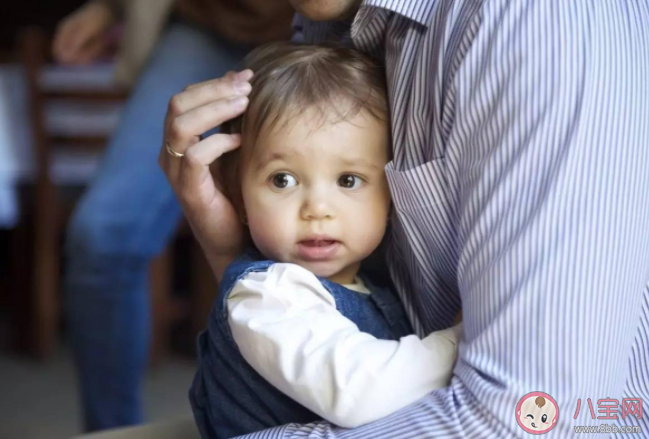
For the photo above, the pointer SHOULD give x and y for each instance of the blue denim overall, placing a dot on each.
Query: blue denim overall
(229, 398)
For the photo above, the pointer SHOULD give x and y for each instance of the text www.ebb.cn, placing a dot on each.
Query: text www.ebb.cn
(605, 428)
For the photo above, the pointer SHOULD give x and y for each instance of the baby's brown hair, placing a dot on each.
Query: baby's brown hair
(290, 78)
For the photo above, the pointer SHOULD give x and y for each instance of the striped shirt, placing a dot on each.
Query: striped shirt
(520, 182)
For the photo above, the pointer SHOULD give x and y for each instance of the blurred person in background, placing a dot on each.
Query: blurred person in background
(129, 212)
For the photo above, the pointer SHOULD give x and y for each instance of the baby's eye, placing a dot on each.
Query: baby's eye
(283, 180)
(544, 418)
(349, 181)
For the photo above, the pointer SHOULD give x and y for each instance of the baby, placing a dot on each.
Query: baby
(298, 333)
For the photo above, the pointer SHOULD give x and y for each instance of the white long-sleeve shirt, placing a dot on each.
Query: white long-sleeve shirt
(288, 329)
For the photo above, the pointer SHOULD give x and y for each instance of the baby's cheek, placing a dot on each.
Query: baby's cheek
(366, 231)
(267, 236)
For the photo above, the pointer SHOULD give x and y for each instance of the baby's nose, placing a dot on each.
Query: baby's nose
(317, 205)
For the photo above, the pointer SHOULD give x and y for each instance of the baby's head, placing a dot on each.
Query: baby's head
(309, 177)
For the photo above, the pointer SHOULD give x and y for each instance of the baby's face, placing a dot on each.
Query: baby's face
(316, 194)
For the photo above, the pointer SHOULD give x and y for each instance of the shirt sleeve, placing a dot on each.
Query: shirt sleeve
(286, 326)
(547, 159)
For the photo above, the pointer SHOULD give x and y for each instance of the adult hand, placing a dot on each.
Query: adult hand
(194, 111)
(81, 37)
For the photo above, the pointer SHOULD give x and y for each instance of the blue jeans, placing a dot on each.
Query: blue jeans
(125, 218)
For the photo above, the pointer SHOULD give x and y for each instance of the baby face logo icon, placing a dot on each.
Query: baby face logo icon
(537, 413)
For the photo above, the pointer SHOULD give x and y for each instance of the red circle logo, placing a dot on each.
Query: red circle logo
(537, 413)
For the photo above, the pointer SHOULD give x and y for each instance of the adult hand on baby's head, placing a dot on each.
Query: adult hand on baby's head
(197, 109)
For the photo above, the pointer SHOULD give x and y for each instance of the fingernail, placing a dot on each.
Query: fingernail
(242, 87)
(244, 75)
(239, 102)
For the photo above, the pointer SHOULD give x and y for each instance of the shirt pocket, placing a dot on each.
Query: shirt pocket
(424, 224)
(418, 187)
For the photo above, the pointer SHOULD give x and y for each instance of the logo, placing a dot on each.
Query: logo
(537, 413)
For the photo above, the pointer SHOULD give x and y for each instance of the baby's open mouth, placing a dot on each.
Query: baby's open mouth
(318, 242)
(317, 249)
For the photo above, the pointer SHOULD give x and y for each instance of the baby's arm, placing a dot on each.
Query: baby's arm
(288, 329)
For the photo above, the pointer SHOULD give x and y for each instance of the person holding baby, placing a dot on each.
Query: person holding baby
(517, 173)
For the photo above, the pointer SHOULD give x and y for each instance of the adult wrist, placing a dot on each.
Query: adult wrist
(218, 261)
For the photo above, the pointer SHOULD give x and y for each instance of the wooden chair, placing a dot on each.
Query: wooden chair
(40, 319)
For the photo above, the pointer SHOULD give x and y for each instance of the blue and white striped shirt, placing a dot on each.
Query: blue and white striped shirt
(521, 185)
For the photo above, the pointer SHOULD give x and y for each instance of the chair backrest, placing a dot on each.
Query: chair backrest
(48, 83)
(44, 205)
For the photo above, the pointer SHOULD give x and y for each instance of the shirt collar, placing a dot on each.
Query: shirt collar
(416, 10)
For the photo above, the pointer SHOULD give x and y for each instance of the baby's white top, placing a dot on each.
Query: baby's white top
(286, 326)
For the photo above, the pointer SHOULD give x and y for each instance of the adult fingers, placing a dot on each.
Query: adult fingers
(185, 171)
(79, 44)
(242, 76)
(195, 185)
(64, 40)
(185, 130)
(197, 95)
(90, 51)
(211, 148)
